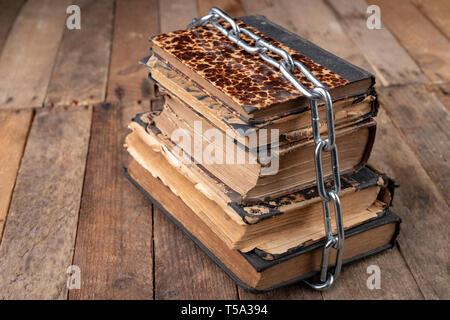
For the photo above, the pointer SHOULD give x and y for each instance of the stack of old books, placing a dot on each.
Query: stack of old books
(230, 157)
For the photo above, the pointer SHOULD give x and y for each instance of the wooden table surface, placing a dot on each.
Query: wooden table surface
(66, 97)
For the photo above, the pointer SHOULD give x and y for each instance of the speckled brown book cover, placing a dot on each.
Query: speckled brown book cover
(245, 78)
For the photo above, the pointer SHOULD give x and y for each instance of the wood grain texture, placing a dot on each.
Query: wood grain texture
(422, 240)
(176, 14)
(29, 53)
(295, 291)
(232, 7)
(423, 41)
(389, 60)
(301, 18)
(39, 236)
(81, 69)
(13, 136)
(182, 270)
(438, 12)
(425, 123)
(114, 243)
(325, 30)
(397, 282)
(135, 22)
(8, 12)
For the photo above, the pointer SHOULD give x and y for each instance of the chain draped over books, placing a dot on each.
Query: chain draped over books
(286, 66)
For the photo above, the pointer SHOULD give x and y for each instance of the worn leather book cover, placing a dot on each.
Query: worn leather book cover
(244, 82)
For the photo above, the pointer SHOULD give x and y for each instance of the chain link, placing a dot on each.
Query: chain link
(319, 93)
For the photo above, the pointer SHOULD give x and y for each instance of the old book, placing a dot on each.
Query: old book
(274, 226)
(192, 103)
(248, 199)
(290, 168)
(245, 84)
(255, 270)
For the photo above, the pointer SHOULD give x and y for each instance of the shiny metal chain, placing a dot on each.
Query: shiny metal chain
(287, 65)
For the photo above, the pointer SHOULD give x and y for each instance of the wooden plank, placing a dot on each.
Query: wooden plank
(8, 12)
(13, 136)
(39, 236)
(438, 12)
(425, 123)
(114, 242)
(29, 53)
(81, 67)
(176, 14)
(324, 30)
(423, 41)
(271, 10)
(135, 22)
(182, 270)
(390, 61)
(397, 282)
(232, 7)
(423, 241)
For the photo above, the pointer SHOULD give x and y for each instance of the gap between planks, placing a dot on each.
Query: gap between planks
(437, 12)
(114, 240)
(13, 137)
(115, 234)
